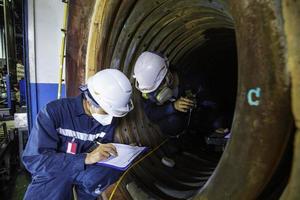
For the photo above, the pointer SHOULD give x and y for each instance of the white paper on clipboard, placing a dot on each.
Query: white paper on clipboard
(126, 154)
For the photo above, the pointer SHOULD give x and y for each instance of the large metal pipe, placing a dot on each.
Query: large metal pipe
(104, 33)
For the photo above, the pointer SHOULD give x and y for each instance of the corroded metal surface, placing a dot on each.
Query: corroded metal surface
(116, 32)
(260, 132)
(77, 37)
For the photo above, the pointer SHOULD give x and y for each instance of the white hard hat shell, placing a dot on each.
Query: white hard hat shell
(150, 70)
(112, 90)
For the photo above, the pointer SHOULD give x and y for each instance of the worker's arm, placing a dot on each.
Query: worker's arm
(40, 154)
(157, 112)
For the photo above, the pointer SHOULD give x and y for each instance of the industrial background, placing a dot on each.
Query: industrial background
(248, 50)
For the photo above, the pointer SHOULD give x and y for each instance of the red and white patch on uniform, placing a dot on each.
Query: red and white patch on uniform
(72, 147)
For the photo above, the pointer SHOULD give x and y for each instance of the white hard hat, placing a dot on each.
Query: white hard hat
(111, 89)
(150, 70)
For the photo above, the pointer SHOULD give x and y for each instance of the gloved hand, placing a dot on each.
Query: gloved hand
(102, 152)
(183, 104)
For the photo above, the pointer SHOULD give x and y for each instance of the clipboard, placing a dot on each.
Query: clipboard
(126, 156)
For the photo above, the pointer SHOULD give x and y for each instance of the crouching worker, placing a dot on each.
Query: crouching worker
(61, 151)
(162, 97)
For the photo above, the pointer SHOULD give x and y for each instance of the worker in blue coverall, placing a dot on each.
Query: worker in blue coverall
(166, 102)
(61, 151)
(162, 100)
(162, 97)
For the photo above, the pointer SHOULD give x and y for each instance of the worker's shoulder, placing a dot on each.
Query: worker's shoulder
(62, 104)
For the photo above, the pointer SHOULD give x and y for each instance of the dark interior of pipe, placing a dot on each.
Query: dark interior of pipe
(210, 70)
(213, 68)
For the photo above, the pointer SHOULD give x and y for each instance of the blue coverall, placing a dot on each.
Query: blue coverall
(170, 121)
(173, 122)
(55, 172)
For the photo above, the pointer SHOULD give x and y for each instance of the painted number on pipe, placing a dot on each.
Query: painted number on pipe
(253, 96)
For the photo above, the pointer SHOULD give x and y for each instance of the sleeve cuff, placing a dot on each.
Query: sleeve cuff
(170, 109)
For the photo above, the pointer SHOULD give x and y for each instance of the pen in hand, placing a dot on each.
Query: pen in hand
(114, 154)
(102, 152)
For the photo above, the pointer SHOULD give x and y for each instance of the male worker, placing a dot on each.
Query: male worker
(163, 103)
(168, 102)
(61, 151)
(162, 98)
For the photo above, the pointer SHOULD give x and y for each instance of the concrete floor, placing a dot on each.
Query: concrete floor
(15, 188)
(21, 183)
